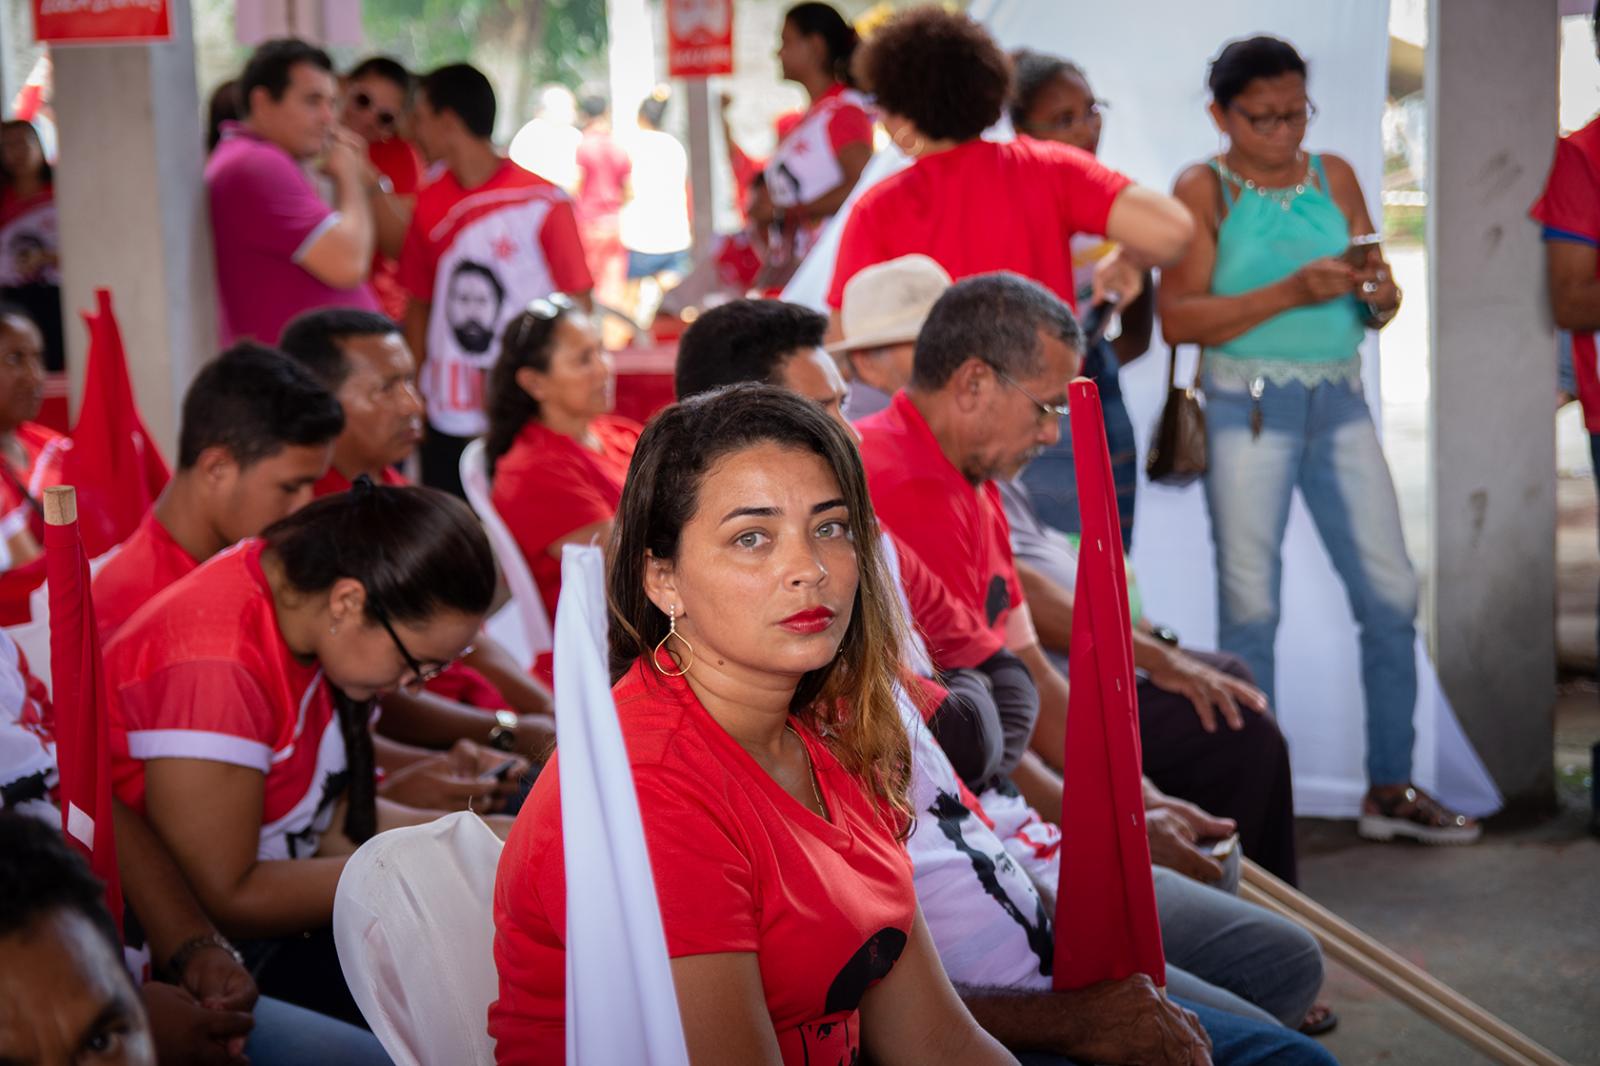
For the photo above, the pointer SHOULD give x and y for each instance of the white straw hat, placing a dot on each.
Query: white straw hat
(887, 302)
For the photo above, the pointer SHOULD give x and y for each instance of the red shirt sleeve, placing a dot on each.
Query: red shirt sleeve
(1085, 188)
(1571, 199)
(957, 637)
(417, 263)
(858, 246)
(544, 501)
(563, 250)
(849, 125)
(203, 709)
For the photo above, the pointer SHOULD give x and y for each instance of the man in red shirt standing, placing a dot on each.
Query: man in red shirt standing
(604, 172)
(486, 238)
(373, 105)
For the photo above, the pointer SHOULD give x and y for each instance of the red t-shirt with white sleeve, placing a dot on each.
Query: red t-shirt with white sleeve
(740, 866)
(981, 207)
(478, 256)
(204, 673)
(969, 548)
(548, 485)
(148, 561)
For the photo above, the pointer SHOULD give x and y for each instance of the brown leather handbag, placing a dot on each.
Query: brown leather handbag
(1178, 451)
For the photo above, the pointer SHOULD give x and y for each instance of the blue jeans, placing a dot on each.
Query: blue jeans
(1051, 479)
(1322, 440)
(286, 1035)
(1235, 1041)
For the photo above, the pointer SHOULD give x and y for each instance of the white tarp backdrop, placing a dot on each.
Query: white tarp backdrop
(1149, 59)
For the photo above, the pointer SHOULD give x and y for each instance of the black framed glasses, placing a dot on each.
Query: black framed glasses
(541, 309)
(420, 675)
(1268, 124)
(1047, 411)
(1070, 121)
(363, 101)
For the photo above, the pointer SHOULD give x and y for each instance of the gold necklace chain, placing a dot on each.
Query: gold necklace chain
(811, 770)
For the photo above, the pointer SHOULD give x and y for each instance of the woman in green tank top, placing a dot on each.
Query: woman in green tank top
(1279, 298)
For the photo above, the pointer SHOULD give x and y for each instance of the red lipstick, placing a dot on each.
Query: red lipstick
(814, 620)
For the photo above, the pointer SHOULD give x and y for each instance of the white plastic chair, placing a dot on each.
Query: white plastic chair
(522, 625)
(413, 922)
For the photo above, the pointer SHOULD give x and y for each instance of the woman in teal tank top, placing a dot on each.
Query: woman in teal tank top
(1273, 291)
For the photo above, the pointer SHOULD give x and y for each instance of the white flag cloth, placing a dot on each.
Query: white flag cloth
(621, 1005)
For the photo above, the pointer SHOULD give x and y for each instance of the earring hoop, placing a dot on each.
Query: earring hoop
(916, 150)
(672, 631)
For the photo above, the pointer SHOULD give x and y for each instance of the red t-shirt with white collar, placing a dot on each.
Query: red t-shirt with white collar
(981, 207)
(740, 866)
(148, 561)
(204, 673)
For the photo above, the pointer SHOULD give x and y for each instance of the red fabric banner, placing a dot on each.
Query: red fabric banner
(699, 38)
(101, 21)
(1106, 923)
(112, 462)
(82, 722)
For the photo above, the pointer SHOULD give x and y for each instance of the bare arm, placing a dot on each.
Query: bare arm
(1114, 1021)
(391, 214)
(724, 1010)
(853, 160)
(416, 330)
(1138, 324)
(1574, 288)
(342, 255)
(1151, 224)
(1050, 730)
(1051, 606)
(209, 816)
(523, 693)
(429, 721)
(155, 887)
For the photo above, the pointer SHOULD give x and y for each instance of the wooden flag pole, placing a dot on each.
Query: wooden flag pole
(60, 505)
(1398, 976)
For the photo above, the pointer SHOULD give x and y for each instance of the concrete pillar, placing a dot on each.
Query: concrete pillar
(1491, 85)
(697, 95)
(134, 217)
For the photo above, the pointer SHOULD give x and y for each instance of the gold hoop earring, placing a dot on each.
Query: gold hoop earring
(916, 149)
(672, 631)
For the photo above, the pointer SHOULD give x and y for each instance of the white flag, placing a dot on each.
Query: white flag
(621, 1005)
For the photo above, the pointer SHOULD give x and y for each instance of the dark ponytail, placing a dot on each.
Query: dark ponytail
(821, 20)
(416, 552)
(527, 342)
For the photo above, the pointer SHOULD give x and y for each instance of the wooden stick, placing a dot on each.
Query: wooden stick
(60, 505)
(1396, 975)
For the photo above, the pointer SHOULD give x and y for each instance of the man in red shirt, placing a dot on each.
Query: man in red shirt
(257, 433)
(376, 95)
(486, 238)
(604, 172)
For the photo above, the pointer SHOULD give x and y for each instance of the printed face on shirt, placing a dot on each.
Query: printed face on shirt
(472, 306)
(813, 374)
(21, 371)
(765, 576)
(579, 384)
(382, 408)
(1011, 428)
(65, 998)
(1065, 111)
(372, 107)
(251, 498)
(301, 121)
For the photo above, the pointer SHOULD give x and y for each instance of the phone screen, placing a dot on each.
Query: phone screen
(1356, 253)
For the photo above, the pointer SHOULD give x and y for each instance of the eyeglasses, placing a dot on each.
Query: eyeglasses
(1268, 124)
(363, 102)
(1069, 121)
(420, 675)
(1046, 410)
(541, 309)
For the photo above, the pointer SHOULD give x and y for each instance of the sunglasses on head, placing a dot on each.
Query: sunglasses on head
(542, 309)
(363, 102)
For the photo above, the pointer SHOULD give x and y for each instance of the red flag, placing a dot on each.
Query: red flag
(82, 719)
(1106, 924)
(112, 461)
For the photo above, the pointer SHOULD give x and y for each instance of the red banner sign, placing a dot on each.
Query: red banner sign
(101, 21)
(699, 38)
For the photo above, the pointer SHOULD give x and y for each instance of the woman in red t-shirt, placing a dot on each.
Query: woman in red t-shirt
(556, 456)
(241, 703)
(30, 454)
(976, 206)
(755, 649)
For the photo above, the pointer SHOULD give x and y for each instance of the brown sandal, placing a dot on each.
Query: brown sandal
(1319, 1019)
(1413, 813)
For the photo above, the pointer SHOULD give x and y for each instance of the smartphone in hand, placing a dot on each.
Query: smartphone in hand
(1355, 254)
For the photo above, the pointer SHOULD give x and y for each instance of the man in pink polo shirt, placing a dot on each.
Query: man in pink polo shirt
(280, 248)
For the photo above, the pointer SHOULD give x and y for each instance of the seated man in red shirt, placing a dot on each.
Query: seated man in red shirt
(363, 359)
(965, 420)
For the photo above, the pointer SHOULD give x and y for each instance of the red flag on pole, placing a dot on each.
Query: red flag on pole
(82, 721)
(1106, 924)
(112, 461)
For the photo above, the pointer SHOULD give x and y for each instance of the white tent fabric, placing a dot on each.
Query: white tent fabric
(621, 1005)
(1154, 75)
(413, 922)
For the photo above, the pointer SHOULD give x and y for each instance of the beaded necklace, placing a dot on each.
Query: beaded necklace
(1283, 196)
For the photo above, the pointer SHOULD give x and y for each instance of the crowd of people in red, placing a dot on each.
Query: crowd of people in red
(839, 611)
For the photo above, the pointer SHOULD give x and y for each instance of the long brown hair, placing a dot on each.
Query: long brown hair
(850, 703)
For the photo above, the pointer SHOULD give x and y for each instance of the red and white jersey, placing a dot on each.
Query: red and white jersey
(204, 673)
(28, 778)
(21, 488)
(478, 257)
(805, 164)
